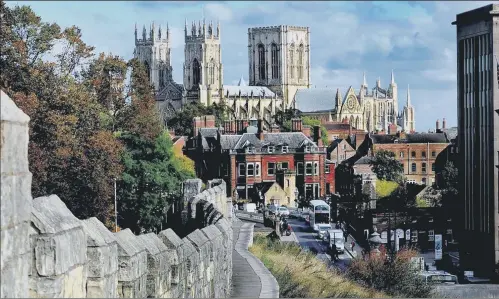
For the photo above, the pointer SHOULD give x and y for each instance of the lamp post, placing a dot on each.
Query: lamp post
(296, 197)
(115, 209)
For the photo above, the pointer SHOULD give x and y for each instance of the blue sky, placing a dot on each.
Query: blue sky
(415, 39)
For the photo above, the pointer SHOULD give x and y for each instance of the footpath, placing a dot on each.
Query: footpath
(250, 278)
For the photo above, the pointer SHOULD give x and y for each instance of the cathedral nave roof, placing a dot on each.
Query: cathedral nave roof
(315, 99)
(257, 91)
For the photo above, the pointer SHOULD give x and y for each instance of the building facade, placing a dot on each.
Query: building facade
(279, 58)
(417, 152)
(478, 127)
(366, 110)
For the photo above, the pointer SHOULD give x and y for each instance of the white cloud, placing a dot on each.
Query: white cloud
(218, 11)
(440, 75)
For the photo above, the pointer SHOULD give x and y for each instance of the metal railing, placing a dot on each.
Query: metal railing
(249, 216)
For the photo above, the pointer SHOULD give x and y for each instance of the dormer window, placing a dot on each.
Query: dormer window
(284, 149)
(308, 149)
(250, 149)
(270, 149)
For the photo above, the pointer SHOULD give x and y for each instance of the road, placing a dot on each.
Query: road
(307, 239)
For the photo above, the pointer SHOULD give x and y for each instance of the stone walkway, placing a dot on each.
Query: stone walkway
(250, 278)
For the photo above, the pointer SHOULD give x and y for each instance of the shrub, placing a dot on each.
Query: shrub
(393, 274)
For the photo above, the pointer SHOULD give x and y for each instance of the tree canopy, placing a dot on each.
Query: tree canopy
(386, 167)
(283, 118)
(181, 122)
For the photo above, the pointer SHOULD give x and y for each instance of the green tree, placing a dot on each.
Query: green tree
(386, 167)
(283, 119)
(151, 182)
(181, 122)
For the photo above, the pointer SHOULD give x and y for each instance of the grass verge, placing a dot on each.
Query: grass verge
(302, 275)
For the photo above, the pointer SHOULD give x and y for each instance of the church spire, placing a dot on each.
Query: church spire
(135, 30)
(408, 104)
(364, 81)
(338, 98)
(393, 79)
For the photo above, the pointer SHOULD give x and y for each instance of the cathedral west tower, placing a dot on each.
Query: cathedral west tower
(203, 70)
(279, 58)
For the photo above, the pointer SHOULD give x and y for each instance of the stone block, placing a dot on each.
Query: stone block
(105, 287)
(14, 276)
(158, 277)
(16, 199)
(132, 259)
(15, 242)
(71, 284)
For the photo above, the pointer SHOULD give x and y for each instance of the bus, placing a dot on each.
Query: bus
(319, 213)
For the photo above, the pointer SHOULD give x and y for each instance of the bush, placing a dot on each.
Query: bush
(394, 275)
(300, 274)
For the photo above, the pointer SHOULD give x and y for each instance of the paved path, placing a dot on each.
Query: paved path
(250, 278)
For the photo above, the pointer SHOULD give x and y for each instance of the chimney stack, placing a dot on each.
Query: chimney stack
(296, 125)
(306, 130)
(438, 125)
(197, 123)
(317, 136)
(245, 124)
(260, 129)
(275, 129)
(209, 121)
(443, 123)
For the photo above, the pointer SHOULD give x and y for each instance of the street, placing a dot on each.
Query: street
(306, 238)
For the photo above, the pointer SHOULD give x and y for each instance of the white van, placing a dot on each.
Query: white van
(336, 238)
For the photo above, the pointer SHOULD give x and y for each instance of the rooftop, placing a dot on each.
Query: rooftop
(315, 99)
(409, 138)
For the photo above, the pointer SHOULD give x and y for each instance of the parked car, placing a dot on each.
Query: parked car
(439, 277)
(282, 211)
(322, 229)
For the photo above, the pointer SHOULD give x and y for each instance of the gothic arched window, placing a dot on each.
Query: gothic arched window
(212, 71)
(275, 62)
(261, 62)
(292, 62)
(161, 77)
(196, 72)
(300, 62)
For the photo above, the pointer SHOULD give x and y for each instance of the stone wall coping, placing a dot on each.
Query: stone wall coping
(97, 234)
(10, 112)
(198, 239)
(170, 238)
(212, 232)
(152, 243)
(126, 243)
(190, 252)
(51, 216)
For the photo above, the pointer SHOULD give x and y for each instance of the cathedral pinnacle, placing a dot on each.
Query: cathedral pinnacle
(393, 78)
(408, 97)
(364, 81)
(135, 30)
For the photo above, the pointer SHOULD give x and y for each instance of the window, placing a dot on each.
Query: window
(284, 149)
(300, 61)
(250, 149)
(414, 236)
(411, 181)
(433, 167)
(413, 167)
(451, 150)
(261, 62)
(423, 154)
(413, 154)
(212, 71)
(196, 72)
(328, 188)
(307, 148)
(344, 146)
(308, 168)
(299, 168)
(423, 181)
(291, 63)
(242, 169)
(284, 165)
(250, 169)
(270, 168)
(287, 181)
(401, 154)
(423, 167)
(433, 154)
(403, 168)
(270, 149)
(257, 169)
(431, 235)
(275, 62)
(326, 168)
(316, 168)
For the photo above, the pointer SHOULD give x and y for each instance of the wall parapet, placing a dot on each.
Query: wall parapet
(47, 252)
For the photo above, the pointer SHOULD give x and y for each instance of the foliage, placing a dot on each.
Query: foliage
(315, 122)
(392, 274)
(421, 203)
(303, 201)
(283, 118)
(151, 181)
(71, 152)
(302, 275)
(181, 122)
(385, 188)
(386, 167)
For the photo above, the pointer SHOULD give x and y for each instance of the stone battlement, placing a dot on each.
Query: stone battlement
(47, 252)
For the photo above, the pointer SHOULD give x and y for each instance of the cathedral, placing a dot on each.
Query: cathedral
(366, 110)
(279, 65)
(278, 79)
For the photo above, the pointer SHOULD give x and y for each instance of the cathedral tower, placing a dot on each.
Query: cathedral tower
(393, 93)
(203, 70)
(408, 120)
(279, 58)
(153, 50)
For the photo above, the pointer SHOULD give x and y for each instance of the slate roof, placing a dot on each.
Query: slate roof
(208, 132)
(451, 133)
(233, 90)
(291, 139)
(334, 144)
(363, 160)
(315, 99)
(229, 141)
(410, 138)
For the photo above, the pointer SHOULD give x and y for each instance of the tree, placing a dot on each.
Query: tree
(283, 118)
(181, 122)
(386, 167)
(150, 183)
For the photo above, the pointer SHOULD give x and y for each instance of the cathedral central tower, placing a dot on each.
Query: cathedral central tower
(279, 58)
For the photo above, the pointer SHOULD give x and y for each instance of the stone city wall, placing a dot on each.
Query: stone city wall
(47, 252)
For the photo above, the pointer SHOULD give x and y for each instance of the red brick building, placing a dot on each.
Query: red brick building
(248, 158)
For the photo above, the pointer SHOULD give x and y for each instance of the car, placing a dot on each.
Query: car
(322, 229)
(282, 211)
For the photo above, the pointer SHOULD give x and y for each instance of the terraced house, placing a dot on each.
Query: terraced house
(417, 152)
(249, 159)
